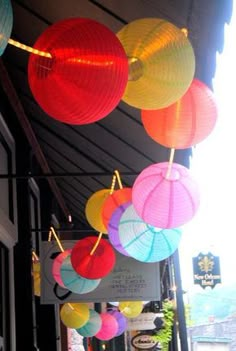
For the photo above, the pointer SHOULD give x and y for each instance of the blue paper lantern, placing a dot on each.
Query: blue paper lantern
(144, 242)
(93, 325)
(74, 282)
(6, 23)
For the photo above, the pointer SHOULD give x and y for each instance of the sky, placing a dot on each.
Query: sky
(213, 166)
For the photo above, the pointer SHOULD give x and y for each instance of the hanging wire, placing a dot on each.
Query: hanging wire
(171, 160)
(113, 184)
(96, 244)
(28, 48)
(118, 179)
(34, 256)
(52, 231)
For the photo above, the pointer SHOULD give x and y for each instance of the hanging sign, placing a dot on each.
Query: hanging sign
(130, 280)
(145, 321)
(206, 270)
(144, 342)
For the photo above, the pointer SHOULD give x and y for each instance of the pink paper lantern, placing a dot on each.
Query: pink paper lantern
(109, 327)
(165, 201)
(56, 267)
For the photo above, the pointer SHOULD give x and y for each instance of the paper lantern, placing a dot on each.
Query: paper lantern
(87, 73)
(92, 326)
(6, 22)
(93, 209)
(121, 320)
(113, 226)
(144, 242)
(37, 278)
(114, 200)
(161, 63)
(96, 265)
(109, 327)
(186, 122)
(56, 266)
(131, 309)
(74, 315)
(74, 282)
(165, 202)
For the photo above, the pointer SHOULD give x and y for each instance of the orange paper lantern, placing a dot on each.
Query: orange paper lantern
(117, 198)
(186, 122)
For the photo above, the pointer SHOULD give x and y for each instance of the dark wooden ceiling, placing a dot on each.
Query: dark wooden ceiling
(88, 155)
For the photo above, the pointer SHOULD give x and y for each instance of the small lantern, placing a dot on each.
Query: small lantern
(161, 63)
(144, 242)
(121, 320)
(74, 315)
(186, 122)
(113, 225)
(114, 200)
(74, 282)
(92, 326)
(6, 22)
(56, 266)
(94, 265)
(165, 201)
(85, 77)
(93, 209)
(131, 309)
(109, 327)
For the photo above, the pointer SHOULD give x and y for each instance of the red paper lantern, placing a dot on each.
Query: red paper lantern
(87, 73)
(96, 265)
(165, 202)
(186, 122)
(117, 198)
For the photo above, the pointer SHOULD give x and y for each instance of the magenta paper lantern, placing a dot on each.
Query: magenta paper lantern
(113, 226)
(109, 327)
(56, 266)
(165, 201)
(121, 320)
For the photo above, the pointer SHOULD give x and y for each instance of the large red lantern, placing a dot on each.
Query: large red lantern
(186, 122)
(89, 264)
(86, 75)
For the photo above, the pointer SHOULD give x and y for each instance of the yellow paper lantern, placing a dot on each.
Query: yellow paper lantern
(131, 309)
(36, 278)
(74, 315)
(161, 63)
(93, 210)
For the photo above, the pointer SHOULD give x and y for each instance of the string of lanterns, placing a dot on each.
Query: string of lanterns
(150, 65)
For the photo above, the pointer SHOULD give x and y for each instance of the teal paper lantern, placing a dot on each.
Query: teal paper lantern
(144, 242)
(74, 282)
(93, 325)
(6, 23)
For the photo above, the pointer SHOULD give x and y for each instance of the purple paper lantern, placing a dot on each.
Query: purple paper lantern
(113, 225)
(121, 320)
(165, 200)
